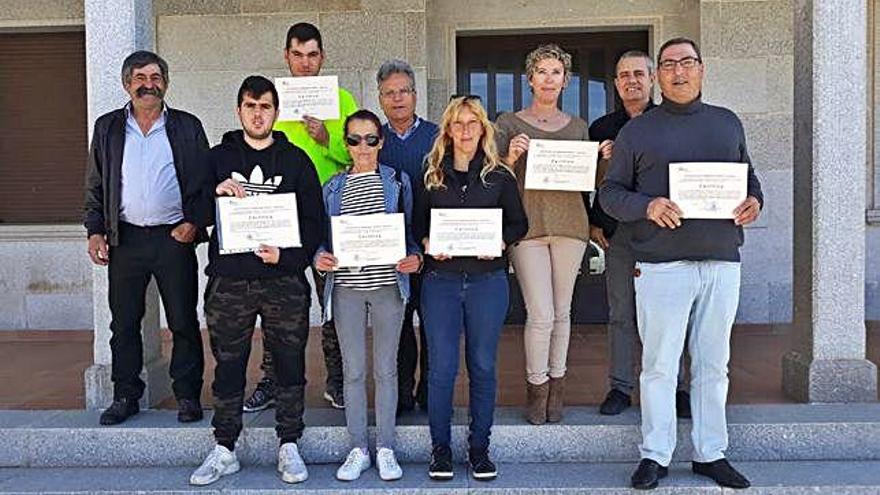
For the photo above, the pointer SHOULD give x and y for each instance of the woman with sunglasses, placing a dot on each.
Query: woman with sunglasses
(463, 170)
(547, 260)
(368, 187)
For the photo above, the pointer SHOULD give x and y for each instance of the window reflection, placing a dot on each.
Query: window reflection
(597, 99)
(526, 91)
(479, 83)
(503, 92)
(571, 101)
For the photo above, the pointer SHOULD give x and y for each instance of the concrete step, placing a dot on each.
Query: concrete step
(768, 478)
(155, 438)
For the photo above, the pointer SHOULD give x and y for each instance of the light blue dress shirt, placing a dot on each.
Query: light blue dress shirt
(150, 191)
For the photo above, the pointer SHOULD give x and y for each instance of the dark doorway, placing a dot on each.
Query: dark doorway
(494, 68)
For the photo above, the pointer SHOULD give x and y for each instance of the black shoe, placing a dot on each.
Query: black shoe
(405, 403)
(722, 472)
(262, 398)
(482, 468)
(647, 475)
(615, 402)
(441, 463)
(683, 404)
(119, 411)
(334, 397)
(189, 410)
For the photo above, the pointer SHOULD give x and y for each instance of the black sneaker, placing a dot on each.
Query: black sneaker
(683, 404)
(189, 410)
(441, 463)
(334, 397)
(262, 398)
(482, 468)
(615, 403)
(119, 411)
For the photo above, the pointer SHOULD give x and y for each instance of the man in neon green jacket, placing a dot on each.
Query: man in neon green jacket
(324, 142)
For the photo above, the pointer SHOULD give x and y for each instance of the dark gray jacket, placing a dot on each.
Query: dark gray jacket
(189, 146)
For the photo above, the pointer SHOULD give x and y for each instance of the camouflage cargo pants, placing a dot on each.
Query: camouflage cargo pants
(231, 309)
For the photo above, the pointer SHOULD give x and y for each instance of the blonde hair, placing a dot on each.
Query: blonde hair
(551, 51)
(434, 176)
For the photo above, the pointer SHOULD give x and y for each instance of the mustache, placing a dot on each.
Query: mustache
(142, 91)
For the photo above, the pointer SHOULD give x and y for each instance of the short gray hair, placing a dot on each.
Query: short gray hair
(395, 66)
(636, 54)
(140, 59)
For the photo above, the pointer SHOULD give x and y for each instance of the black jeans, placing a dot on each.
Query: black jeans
(142, 253)
(231, 309)
(329, 344)
(411, 353)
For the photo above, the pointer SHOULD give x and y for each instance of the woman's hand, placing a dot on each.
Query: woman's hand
(269, 254)
(230, 187)
(325, 262)
(410, 264)
(438, 257)
(519, 144)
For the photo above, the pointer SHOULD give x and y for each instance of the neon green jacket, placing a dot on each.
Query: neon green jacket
(328, 160)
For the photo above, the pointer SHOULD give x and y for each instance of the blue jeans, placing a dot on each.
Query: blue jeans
(670, 297)
(476, 303)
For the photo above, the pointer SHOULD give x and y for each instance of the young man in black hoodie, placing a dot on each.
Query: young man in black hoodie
(269, 282)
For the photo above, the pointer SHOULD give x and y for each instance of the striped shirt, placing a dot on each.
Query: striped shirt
(363, 195)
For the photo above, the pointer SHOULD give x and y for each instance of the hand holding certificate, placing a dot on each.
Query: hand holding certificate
(316, 96)
(561, 165)
(363, 240)
(708, 190)
(465, 232)
(245, 223)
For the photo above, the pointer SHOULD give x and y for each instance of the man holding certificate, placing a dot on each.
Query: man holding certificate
(250, 170)
(323, 141)
(688, 262)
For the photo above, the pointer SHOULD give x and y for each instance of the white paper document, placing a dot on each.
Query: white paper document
(315, 96)
(245, 223)
(561, 165)
(363, 240)
(465, 232)
(708, 190)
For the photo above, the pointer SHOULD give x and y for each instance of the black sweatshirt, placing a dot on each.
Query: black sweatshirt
(607, 127)
(283, 168)
(639, 172)
(498, 191)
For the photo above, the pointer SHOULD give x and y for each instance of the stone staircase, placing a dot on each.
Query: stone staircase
(784, 449)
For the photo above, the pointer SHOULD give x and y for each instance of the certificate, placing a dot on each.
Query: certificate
(245, 223)
(362, 240)
(561, 165)
(315, 96)
(708, 190)
(466, 232)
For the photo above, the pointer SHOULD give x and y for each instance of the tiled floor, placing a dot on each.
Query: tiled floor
(44, 369)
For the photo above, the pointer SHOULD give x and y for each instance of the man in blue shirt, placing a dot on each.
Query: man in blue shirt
(408, 138)
(144, 211)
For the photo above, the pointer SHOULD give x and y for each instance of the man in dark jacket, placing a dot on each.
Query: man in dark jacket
(269, 282)
(144, 211)
(687, 269)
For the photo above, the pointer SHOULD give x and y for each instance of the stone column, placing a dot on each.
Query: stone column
(114, 29)
(828, 361)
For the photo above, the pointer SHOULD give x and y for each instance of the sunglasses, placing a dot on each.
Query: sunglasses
(466, 97)
(372, 140)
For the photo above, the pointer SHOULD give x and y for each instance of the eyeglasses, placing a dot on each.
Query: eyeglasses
(372, 140)
(686, 63)
(394, 93)
(466, 97)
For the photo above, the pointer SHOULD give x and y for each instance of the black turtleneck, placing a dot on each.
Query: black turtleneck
(639, 172)
(499, 190)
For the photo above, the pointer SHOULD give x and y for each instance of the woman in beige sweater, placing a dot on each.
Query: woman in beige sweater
(548, 258)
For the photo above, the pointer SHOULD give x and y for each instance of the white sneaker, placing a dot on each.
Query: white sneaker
(219, 462)
(291, 465)
(389, 469)
(356, 463)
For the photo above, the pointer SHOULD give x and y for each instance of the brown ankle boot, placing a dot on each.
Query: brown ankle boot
(555, 399)
(536, 402)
